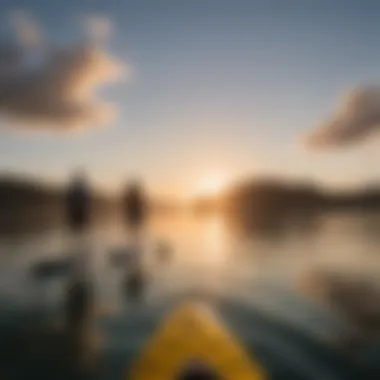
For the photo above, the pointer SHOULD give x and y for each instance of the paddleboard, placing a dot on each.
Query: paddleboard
(190, 339)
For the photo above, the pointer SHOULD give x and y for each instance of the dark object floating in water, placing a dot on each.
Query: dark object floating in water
(78, 303)
(134, 283)
(354, 298)
(52, 268)
(198, 371)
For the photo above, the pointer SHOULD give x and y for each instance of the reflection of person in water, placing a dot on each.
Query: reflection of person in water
(134, 283)
(135, 213)
(78, 303)
(79, 326)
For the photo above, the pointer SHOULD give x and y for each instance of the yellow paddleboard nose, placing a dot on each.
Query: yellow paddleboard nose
(193, 334)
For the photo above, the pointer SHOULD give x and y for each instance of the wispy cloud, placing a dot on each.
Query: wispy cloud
(27, 30)
(98, 27)
(56, 91)
(357, 118)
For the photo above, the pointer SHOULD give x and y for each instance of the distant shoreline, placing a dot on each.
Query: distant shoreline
(29, 204)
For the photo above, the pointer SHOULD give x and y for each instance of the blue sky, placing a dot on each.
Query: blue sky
(219, 88)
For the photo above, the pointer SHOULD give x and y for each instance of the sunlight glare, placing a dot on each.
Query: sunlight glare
(211, 185)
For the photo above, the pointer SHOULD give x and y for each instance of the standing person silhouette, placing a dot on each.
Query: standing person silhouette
(78, 299)
(78, 203)
(134, 204)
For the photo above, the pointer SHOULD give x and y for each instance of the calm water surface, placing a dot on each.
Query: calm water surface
(249, 279)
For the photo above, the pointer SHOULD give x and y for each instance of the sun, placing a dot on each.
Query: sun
(212, 184)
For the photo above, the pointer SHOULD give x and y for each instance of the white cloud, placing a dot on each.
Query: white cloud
(58, 93)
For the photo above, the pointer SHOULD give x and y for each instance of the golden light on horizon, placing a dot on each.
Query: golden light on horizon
(212, 184)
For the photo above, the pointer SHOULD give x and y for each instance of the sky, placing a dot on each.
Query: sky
(218, 89)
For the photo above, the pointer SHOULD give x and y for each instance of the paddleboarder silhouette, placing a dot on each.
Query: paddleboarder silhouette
(78, 202)
(79, 293)
(135, 209)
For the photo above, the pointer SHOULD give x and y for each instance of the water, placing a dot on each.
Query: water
(251, 280)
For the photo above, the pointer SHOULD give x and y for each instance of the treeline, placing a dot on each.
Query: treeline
(28, 204)
(15, 192)
(281, 197)
(272, 205)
